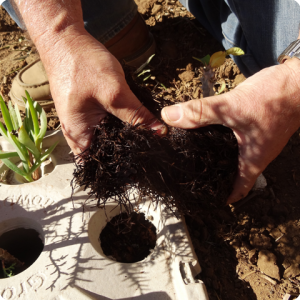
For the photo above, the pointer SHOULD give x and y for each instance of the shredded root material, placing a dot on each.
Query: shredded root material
(185, 169)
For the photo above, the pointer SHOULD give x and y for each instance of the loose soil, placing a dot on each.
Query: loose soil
(25, 245)
(128, 238)
(246, 251)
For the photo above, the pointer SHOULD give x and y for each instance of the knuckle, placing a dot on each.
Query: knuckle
(194, 112)
(113, 97)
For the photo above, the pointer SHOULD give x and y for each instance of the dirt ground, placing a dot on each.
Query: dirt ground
(247, 251)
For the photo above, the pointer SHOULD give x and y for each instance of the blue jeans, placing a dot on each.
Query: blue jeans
(263, 29)
(102, 19)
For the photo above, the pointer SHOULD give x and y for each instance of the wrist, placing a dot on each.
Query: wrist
(55, 43)
(51, 21)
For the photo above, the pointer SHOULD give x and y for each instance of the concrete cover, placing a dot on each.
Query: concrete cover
(72, 265)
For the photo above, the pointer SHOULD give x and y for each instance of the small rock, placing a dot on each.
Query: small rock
(155, 9)
(269, 222)
(239, 79)
(260, 241)
(186, 76)
(292, 271)
(252, 254)
(267, 264)
(189, 67)
(196, 93)
(297, 258)
(286, 263)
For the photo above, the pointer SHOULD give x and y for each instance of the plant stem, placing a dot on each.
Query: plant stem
(208, 82)
(35, 174)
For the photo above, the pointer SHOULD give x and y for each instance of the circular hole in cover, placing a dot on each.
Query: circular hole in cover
(21, 248)
(128, 238)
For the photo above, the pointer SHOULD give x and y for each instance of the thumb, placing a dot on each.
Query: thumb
(196, 113)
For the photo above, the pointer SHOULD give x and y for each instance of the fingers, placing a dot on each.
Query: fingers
(243, 184)
(196, 113)
(222, 110)
(126, 106)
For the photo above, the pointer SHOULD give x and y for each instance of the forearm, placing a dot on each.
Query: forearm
(49, 22)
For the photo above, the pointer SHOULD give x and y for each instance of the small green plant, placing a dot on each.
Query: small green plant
(212, 62)
(25, 136)
(142, 71)
(9, 271)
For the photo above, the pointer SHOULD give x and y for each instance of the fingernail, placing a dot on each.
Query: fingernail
(159, 128)
(173, 113)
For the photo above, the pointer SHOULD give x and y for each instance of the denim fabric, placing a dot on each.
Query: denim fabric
(9, 8)
(103, 19)
(263, 29)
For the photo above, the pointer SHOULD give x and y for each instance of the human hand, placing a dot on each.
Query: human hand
(87, 82)
(263, 113)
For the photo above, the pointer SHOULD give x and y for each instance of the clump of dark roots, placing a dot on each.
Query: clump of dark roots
(187, 169)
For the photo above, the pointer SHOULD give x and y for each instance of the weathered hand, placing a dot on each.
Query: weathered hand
(87, 82)
(263, 113)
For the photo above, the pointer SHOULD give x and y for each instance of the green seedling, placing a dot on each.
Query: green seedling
(143, 66)
(25, 136)
(9, 271)
(142, 71)
(212, 62)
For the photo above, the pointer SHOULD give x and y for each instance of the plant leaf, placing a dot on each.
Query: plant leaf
(13, 116)
(4, 155)
(6, 115)
(28, 143)
(28, 120)
(138, 70)
(34, 116)
(163, 86)
(204, 60)
(147, 77)
(222, 88)
(21, 150)
(3, 131)
(43, 122)
(18, 115)
(217, 59)
(43, 158)
(143, 72)
(14, 168)
(236, 51)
